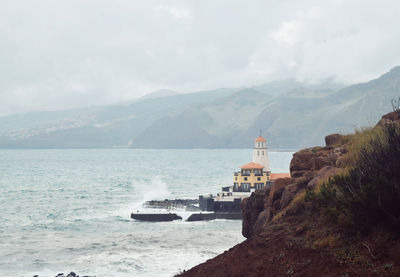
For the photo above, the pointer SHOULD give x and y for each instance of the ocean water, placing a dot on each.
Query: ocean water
(69, 210)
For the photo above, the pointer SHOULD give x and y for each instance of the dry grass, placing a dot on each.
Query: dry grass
(359, 140)
(293, 207)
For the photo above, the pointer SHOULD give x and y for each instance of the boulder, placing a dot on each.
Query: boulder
(333, 139)
(300, 163)
(322, 176)
(390, 118)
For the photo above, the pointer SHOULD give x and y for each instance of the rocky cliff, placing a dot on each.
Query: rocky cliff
(308, 168)
(288, 236)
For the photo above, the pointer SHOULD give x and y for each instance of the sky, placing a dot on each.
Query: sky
(77, 53)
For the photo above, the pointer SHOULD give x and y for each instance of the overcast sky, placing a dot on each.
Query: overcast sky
(62, 54)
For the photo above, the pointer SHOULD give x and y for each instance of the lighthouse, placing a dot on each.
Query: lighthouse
(260, 153)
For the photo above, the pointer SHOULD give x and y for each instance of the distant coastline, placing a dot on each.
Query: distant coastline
(290, 113)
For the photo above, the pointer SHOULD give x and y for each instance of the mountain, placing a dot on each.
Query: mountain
(159, 93)
(155, 94)
(109, 126)
(291, 115)
(295, 118)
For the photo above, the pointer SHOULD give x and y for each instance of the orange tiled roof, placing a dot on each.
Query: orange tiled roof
(252, 165)
(275, 176)
(261, 139)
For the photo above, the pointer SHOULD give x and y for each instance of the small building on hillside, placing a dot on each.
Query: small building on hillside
(252, 176)
(257, 173)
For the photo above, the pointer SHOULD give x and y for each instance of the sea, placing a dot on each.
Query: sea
(64, 210)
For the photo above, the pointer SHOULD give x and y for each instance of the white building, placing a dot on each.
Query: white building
(260, 153)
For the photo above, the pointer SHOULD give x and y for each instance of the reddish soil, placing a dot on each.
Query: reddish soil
(286, 248)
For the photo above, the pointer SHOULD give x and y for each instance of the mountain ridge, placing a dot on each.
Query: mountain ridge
(290, 113)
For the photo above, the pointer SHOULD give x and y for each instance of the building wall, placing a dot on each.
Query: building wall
(260, 155)
(241, 179)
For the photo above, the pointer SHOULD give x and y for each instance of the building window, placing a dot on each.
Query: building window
(263, 153)
(259, 185)
(245, 178)
(258, 153)
(258, 178)
(235, 178)
(245, 186)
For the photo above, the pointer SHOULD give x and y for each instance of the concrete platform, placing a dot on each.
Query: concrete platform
(212, 216)
(155, 217)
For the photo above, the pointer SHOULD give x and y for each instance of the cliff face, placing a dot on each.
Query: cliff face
(308, 168)
(289, 236)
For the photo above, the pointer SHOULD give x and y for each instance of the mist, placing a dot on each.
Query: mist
(64, 54)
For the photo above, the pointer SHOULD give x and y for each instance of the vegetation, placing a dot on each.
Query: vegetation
(368, 192)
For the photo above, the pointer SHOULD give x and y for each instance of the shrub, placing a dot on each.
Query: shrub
(369, 192)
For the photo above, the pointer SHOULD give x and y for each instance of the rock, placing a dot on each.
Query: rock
(262, 220)
(322, 161)
(251, 208)
(322, 176)
(276, 190)
(300, 163)
(394, 116)
(342, 162)
(313, 159)
(333, 139)
(288, 194)
(261, 206)
(290, 191)
(389, 118)
(313, 183)
(340, 150)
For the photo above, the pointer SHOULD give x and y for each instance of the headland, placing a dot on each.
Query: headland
(337, 215)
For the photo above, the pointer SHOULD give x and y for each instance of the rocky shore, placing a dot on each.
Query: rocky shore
(286, 236)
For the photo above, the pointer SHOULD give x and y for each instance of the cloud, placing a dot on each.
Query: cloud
(173, 11)
(287, 34)
(63, 54)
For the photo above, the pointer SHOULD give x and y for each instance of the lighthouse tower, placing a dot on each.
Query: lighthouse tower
(260, 153)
